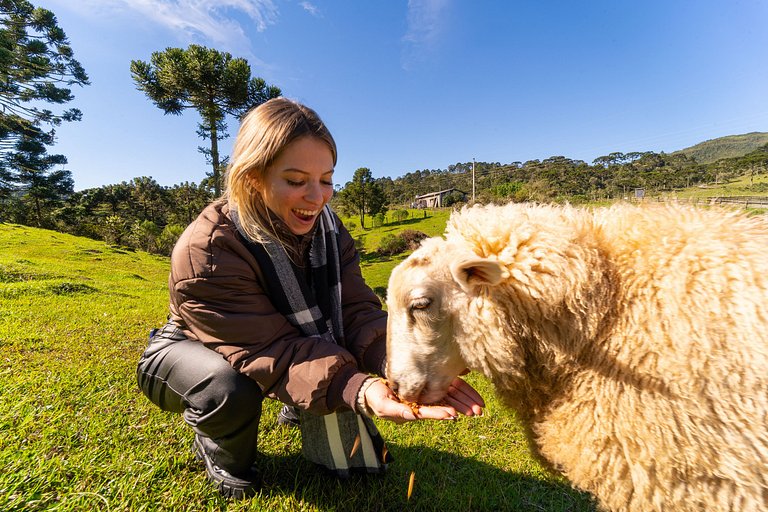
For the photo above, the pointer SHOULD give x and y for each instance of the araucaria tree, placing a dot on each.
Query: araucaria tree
(213, 83)
(43, 187)
(37, 66)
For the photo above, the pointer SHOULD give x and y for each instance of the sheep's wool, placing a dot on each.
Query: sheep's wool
(632, 341)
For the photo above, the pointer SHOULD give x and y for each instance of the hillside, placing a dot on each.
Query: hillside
(731, 146)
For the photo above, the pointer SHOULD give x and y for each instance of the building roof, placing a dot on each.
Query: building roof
(432, 194)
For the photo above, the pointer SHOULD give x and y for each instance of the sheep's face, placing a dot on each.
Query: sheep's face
(423, 356)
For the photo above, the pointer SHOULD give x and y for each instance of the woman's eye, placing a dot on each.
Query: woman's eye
(295, 183)
(327, 183)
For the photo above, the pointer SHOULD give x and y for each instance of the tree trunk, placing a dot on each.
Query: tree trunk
(39, 212)
(215, 157)
(362, 211)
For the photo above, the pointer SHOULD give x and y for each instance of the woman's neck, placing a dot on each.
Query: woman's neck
(297, 246)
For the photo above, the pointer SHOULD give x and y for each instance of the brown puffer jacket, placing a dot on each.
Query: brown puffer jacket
(218, 297)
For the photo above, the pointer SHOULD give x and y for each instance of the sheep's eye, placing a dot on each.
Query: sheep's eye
(421, 303)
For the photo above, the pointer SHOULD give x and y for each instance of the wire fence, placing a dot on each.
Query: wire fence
(741, 201)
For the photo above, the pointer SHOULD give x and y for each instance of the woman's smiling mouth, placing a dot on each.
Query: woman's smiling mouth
(305, 214)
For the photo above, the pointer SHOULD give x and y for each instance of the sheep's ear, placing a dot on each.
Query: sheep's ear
(476, 271)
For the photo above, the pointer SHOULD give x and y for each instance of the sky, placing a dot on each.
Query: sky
(408, 85)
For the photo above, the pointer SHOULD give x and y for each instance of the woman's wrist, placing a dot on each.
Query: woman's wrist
(362, 403)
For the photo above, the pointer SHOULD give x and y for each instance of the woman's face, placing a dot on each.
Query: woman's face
(299, 183)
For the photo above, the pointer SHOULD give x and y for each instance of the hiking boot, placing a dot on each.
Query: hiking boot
(288, 416)
(230, 486)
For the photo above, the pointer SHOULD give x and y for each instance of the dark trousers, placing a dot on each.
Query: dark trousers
(221, 405)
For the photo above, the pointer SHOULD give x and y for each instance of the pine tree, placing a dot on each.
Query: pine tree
(211, 82)
(37, 66)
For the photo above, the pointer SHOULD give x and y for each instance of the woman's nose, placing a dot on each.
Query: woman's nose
(314, 193)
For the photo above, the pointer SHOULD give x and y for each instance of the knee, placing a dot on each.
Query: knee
(225, 391)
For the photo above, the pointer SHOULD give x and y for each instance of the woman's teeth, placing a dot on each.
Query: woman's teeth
(305, 214)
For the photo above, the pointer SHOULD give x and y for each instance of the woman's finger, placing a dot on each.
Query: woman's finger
(465, 409)
(436, 412)
(464, 398)
(463, 387)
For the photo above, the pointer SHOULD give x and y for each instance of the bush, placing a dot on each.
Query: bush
(143, 235)
(400, 215)
(114, 229)
(391, 245)
(453, 198)
(507, 190)
(168, 238)
(403, 241)
(413, 238)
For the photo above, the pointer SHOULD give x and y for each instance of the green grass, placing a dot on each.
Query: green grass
(431, 222)
(742, 186)
(376, 269)
(76, 434)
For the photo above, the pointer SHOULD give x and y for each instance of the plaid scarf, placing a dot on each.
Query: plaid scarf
(314, 307)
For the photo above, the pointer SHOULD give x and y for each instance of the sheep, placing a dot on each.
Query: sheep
(632, 341)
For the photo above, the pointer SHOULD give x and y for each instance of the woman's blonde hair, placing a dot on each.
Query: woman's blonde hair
(264, 132)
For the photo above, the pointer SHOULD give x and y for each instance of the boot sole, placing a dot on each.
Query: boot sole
(227, 490)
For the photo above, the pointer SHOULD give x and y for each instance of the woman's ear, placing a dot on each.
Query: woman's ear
(254, 182)
(475, 271)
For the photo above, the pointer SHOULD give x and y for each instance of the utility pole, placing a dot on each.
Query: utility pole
(473, 181)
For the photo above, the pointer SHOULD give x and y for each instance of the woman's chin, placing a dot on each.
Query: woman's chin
(301, 226)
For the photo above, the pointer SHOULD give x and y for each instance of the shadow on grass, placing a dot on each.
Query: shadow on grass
(389, 226)
(443, 481)
(406, 222)
(369, 258)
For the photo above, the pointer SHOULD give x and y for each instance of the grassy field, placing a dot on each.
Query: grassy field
(76, 434)
(742, 186)
(376, 269)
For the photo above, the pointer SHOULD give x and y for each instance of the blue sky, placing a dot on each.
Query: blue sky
(423, 84)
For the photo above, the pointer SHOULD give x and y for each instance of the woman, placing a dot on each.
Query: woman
(267, 300)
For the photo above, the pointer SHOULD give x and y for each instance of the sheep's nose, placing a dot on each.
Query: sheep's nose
(393, 386)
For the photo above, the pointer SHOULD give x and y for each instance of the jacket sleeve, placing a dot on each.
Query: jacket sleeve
(217, 296)
(365, 323)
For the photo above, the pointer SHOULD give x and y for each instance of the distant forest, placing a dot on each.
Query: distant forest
(559, 178)
(145, 215)
(38, 70)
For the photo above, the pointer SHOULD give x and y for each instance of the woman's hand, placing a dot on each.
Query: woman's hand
(385, 404)
(464, 398)
(461, 397)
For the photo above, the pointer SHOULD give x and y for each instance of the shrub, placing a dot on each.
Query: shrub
(413, 238)
(391, 245)
(143, 235)
(400, 215)
(507, 190)
(114, 229)
(403, 241)
(168, 238)
(453, 198)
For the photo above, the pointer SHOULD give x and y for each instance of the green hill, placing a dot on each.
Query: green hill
(732, 146)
